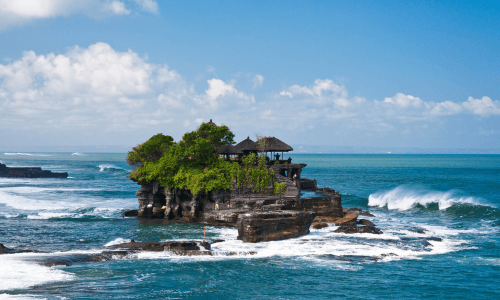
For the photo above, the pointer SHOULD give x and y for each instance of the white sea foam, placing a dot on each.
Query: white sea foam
(319, 246)
(21, 297)
(117, 241)
(47, 205)
(79, 154)
(26, 203)
(104, 167)
(27, 154)
(20, 274)
(49, 215)
(402, 198)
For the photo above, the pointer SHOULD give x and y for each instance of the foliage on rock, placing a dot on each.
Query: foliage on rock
(149, 151)
(193, 163)
(279, 188)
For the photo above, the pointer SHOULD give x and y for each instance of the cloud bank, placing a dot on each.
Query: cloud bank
(98, 88)
(18, 12)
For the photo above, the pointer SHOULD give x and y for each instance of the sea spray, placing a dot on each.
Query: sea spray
(405, 198)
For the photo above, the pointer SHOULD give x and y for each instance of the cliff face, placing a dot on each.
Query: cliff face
(259, 217)
(29, 173)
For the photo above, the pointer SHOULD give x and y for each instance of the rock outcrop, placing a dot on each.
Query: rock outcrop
(34, 172)
(181, 248)
(273, 226)
(258, 216)
(4, 249)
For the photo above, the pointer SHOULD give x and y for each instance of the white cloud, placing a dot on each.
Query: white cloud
(148, 5)
(92, 84)
(219, 88)
(483, 106)
(98, 89)
(258, 80)
(218, 91)
(17, 12)
(404, 101)
(446, 108)
(118, 8)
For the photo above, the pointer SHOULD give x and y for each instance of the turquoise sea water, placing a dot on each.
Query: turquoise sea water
(454, 198)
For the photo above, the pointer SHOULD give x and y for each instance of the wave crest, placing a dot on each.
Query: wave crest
(403, 198)
(111, 167)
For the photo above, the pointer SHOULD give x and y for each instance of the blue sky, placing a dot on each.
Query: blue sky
(335, 73)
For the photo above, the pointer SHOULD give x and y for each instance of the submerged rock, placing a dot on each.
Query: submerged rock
(358, 229)
(130, 213)
(319, 225)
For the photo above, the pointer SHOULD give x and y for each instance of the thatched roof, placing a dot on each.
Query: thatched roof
(229, 149)
(246, 145)
(274, 144)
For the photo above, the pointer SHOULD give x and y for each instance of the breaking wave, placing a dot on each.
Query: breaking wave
(404, 198)
(17, 273)
(79, 154)
(110, 167)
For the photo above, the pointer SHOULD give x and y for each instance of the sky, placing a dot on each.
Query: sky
(390, 74)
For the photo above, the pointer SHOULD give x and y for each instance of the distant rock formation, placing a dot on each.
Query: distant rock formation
(34, 172)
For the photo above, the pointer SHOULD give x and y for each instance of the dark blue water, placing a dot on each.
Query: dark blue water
(452, 198)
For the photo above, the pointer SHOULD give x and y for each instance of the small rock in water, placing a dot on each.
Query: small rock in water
(319, 225)
(365, 223)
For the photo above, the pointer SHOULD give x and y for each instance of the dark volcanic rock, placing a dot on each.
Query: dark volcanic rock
(34, 172)
(358, 229)
(349, 220)
(70, 259)
(365, 223)
(319, 225)
(185, 248)
(273, 225)
(346, 229)
(130, 213)
(359, 211)
(4, 249)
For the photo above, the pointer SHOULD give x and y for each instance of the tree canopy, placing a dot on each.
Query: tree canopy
(193, 163)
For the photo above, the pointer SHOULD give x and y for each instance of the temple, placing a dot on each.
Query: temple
(259, 216)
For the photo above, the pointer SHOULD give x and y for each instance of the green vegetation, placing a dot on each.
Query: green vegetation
(258, 178)
(193, 163)
(279, 188)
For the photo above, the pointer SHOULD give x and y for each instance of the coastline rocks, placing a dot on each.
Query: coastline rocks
(182, 248)
(365, 222)
(130, 213)
(358, 229)
(273, 225)
(4, 249)
(348, 220)
(222, 217)
(35, 172)
(319, 225)
(359, 211)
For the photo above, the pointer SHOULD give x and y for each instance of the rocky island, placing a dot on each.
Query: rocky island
(204, 178)
(29, 172)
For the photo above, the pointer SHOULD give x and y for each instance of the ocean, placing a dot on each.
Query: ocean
(439, 215)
